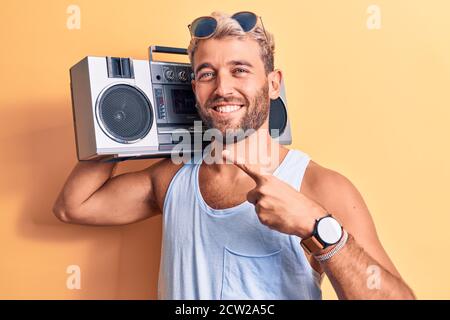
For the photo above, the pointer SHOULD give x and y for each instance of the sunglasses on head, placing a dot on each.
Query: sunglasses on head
(204, 27)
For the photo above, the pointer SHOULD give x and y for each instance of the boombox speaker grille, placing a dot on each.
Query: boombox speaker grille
(277, 117)
(125, 113)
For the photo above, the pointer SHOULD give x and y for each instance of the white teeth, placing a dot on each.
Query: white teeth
(229, 108)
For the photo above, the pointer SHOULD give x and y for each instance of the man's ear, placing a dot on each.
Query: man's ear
(193, 85)
(274, 79)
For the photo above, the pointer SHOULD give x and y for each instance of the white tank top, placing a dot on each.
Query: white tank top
(228, 253)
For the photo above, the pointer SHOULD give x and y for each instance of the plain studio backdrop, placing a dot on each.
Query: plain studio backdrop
(367, 84)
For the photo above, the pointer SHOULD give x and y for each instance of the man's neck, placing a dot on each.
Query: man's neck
(257, 149)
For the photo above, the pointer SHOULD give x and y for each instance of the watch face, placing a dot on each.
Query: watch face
(329, 230)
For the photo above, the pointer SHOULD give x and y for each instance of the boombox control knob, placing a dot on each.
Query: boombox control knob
(169, 74)
(182, 75)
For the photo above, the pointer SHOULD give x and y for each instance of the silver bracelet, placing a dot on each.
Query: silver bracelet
(336, 249)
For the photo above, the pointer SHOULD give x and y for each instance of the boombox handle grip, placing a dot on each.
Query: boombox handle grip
(162, 49)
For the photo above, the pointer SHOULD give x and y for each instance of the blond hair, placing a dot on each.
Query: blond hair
(228, 27)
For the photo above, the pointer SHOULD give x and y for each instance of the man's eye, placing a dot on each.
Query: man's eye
(240, 70)
(206, 74)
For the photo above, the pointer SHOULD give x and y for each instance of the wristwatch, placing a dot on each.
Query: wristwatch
(327, 232)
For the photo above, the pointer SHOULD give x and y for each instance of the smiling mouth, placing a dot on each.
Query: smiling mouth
(228, 108)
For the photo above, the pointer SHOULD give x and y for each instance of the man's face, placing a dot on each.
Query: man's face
(231, 86)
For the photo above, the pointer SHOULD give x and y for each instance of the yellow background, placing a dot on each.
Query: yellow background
(371, 104)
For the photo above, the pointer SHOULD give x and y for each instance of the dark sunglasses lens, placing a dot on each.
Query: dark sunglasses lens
(247, 20)
(204, 27)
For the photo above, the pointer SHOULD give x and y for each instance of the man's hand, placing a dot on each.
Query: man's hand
(278, 205)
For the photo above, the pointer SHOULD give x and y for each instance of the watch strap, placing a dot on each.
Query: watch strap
(312, 245)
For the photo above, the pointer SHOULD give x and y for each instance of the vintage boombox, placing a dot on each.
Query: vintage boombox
(125, 108)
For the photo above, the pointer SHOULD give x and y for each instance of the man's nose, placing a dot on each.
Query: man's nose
(224, 85)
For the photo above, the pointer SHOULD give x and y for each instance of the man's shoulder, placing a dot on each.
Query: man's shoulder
(330, 188)
(163, 170)
(161, 174)
(318, 177)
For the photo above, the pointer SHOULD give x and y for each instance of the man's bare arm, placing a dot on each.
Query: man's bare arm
(354, 274)
(362, 269)
(92, 196)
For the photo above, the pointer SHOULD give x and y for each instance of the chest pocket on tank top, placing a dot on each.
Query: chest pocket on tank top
(248, 276)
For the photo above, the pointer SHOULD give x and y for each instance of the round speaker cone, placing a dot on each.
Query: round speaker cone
(277, 118)
(125, 112)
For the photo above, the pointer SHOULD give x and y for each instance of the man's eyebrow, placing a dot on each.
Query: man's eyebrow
(240, 63)
(203, 66)
(232, 62)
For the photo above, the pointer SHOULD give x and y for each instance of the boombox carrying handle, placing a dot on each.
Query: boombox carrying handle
(162, 49)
